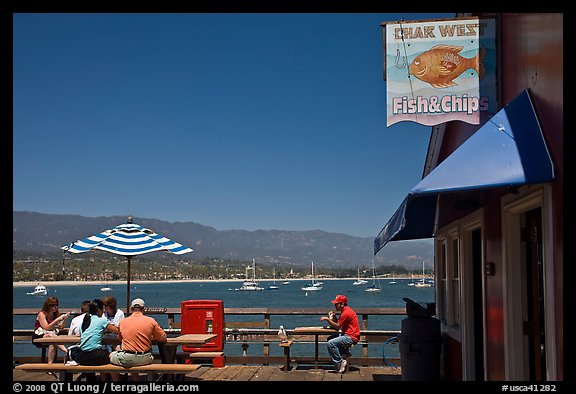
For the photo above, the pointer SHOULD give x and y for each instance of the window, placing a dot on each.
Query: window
(455, 284)
(442, 289)
(449, 297)
(459, 251)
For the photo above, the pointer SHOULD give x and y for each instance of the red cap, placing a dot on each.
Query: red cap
(340, 299)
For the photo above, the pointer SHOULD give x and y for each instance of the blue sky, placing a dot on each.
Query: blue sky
(235, 121)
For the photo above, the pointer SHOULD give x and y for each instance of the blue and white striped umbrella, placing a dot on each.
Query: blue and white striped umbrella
(129, 239)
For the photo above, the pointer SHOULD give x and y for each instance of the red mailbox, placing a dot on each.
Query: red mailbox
(203, 317)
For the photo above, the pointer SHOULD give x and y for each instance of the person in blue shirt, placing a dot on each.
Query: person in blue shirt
(94, 325)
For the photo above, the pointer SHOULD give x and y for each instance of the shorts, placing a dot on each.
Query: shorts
(93, 357)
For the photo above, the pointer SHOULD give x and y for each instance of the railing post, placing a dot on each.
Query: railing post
(365, 327)
(245, 350)
(170, 320)
(266, 346)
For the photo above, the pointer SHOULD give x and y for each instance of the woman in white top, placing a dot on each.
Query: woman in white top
(112, 313)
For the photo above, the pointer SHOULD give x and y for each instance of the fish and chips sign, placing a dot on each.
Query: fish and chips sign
(435, 71)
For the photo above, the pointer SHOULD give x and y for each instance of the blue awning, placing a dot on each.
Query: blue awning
(508, 151)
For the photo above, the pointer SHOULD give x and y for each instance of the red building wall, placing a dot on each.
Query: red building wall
(531, 57)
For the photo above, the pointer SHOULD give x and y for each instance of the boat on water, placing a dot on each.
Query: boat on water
(422, 283)
(375, 286)
(359, 281)
(251, 284)
(106, 285)
(39, 290)
(273, 286)
(312, 286)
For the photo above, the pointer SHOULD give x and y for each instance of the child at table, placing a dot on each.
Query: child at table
(113, 314)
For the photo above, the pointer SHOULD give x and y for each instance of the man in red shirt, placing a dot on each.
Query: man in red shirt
(349, 332)
(137, 332)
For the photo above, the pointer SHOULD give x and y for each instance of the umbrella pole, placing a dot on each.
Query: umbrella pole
(128, 290)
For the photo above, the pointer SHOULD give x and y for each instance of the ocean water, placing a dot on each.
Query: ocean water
(170, 295)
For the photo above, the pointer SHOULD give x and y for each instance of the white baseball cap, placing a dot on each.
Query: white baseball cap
(137, 302)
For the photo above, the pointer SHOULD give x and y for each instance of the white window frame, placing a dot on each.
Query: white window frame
(513, 206)
(441, 278)
(462, 329)
(445, 237)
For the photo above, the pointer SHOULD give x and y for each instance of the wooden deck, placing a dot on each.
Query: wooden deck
(258, 365)
(239, 373)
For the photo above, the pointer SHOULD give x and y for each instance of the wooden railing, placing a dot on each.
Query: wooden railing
(258, 330)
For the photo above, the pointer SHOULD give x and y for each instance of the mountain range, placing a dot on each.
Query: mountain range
(40, 233)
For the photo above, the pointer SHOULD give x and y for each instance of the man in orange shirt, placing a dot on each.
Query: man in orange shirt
(349, 332)
(137, 333)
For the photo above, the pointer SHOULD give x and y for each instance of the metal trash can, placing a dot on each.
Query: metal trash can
(420, 342)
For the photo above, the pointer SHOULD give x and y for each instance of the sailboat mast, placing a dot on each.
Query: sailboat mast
(313, 273)
(423, 272)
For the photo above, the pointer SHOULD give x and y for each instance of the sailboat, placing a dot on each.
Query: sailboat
(312, 286)
(251, 285)
(373, 288)
(273, 285)
(359, 281)
(422, 283)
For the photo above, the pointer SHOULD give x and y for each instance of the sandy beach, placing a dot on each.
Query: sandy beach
(96, 282)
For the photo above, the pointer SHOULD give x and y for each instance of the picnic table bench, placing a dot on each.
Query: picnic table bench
(167, 349)
(66, 372)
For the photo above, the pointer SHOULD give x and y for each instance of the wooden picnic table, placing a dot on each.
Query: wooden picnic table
(316, 331)
(167, 349)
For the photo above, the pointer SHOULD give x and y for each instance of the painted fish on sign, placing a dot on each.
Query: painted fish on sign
(440, 65)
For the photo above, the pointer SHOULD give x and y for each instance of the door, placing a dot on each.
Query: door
(528, 285)
(533, 327)
(478, 303)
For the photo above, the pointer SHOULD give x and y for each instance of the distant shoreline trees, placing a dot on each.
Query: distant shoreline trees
(108, 267)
